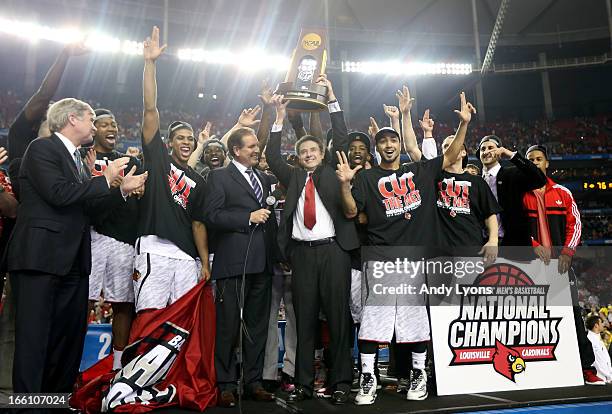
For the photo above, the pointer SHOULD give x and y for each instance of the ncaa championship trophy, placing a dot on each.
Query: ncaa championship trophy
(307, 63)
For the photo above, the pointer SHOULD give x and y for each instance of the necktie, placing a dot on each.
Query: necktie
(79, 165)
(310, 212)
(492, 181)
(255, 185)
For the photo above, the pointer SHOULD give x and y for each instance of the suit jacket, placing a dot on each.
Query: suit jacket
(512, 183)
(52, 228)
(325, 181)
(228, 204)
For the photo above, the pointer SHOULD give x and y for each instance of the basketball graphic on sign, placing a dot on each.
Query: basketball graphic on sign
(503, 274)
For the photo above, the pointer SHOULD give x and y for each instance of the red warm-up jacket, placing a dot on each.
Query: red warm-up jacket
(562, 216)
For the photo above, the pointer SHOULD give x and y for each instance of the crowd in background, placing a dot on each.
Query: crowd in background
(579, 135)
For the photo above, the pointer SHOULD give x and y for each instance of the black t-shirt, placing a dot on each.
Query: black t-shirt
(173, 199)
(120, 223)
(400, 204)
(464, 202)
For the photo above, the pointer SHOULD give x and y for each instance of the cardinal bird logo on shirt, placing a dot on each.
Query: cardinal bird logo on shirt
(180, 186)
(507, 361)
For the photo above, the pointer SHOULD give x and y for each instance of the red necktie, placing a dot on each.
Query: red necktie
(310, 212)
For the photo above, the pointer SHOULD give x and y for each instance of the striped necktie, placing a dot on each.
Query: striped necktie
(79, 165)
(255, 185)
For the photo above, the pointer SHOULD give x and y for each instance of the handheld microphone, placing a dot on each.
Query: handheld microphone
(273, 199)
(271, 202)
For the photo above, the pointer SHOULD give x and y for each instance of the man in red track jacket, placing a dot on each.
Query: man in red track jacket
(554, 222)
(554, 219)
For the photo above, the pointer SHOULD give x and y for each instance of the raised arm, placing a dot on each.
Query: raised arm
(394, 117)
(37, 105)
(408, 135)
(465, 116)
(203, 136)
(429, 149)
(339, 130)
(150, 117)
(373, 128)
(316, 129)
(345, 175)
(266, 114)
(277, 164)
(247, 119)
(34, 110)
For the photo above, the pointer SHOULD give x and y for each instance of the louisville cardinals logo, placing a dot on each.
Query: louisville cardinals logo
(504, 320)
(180, 186)
(507, 361)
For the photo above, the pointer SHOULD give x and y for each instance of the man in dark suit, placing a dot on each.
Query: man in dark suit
(49, 252)
(245, 244)
(509, 184)
(316, 238)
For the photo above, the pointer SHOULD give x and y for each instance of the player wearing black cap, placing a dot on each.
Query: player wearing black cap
(399, 202)
(113, 235)
(359, 150)
(172, 248)
(508, 185)
(210, 153)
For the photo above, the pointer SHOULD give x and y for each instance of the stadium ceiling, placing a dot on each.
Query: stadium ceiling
(430, 22)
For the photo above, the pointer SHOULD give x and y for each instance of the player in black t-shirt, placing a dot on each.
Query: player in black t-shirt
(466, 205)
(399, 201)
(210, 153)
(172, 245)
(359, 150)
(113, 234)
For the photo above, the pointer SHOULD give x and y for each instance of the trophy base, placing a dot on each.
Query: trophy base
(308, 100)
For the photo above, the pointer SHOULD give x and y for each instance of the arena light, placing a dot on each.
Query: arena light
(248, 59)
(395, 68)
(94, 40)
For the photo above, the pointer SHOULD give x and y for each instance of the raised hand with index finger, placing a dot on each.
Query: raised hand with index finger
(427, 124)
(151, 48)
(405, 101)
(344, 172)
(466, 111)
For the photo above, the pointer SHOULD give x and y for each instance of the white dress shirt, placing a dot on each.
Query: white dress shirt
(602, 359)
(324, 226)
(243, 171)
(492, 171)
(69, 146)
(490, 177)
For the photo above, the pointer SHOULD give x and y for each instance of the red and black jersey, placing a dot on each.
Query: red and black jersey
(5, 182)
(562, 216)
